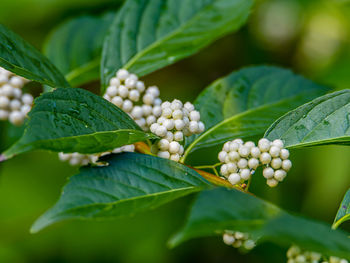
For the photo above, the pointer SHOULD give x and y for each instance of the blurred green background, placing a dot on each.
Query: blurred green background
(311, 37)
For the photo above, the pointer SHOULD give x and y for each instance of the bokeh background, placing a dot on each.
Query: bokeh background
(311, 37)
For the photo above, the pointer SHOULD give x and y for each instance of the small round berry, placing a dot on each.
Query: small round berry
(175, 157)
(276, 163)
(181, 151)
(141, 122)
(194, 116)
(201, 127)
(237, 244)
(253, 163)
(140, 86)
(268, 172)
(154, 127)
(176, 105)
(154, 91)
(239, 235)
(27, 99)
(249, 244)
(4, 114)
(127, 106)
(177, 114)
(286, 165)
(133, 76)
(232, 167)
(278, 143)
(265, 158)
(174, 147)
(169, 136)
(272, 182)
(245, 174)
(243, 151)
(123, 91)
(228, 239)
(242, 163)
(74, 161)
(189, 106)
(284, 154)
(178, 136)
(137, 112)
(157, 111)
(112, 91)
(164, 154)
(161, 120)
(134, 95)
(161, 131)
(16, 117)
(274, 151)
(148, 99)
(114, 82)
(163, 145)
(150, 120)
(15, 105)
(234, 178)
(193, 126)
(17, 93)
(233, 156)
(16, 81)
(130, 83)
(166, 104)
(157, 102)
(7, 90)
(249, 144)
(264, 144)
(226, 147)
(147, 110)
(167, 112)
(4, 102)
(122, 74)
(169, 124)
(224, 170)
(222, 156)
(255, 152)
(179, 125)
(63, 156)
(234, 146)
(239, 141)
(117, 101)
(280, 175)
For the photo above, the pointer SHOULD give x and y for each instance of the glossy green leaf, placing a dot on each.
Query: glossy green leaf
(76, 120)
(131, 183)
(245, 103)
(343, 213)
(147, 35)
(21, 58)
(222, 209)
(325, 120)
(75, 47)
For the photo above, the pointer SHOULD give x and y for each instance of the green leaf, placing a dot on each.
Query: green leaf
(131, 183)
(75, 47)
(343, 211)
(76, 120)
(147, 35)
(222, 209)
(245, 103)
(21, 58)
(325, 120)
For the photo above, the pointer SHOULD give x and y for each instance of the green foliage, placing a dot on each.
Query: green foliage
(75, 47)
(343, 213)
(75, 120)
(245, 103)
(325, 120)
(129, 184)
(21, 58)
(222, 209)
(147, 35)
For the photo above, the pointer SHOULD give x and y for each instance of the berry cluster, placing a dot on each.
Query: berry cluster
(78, 159)
(238, 239)
(240, 160)
(130, 94)
(177, 120)
(14, 105)
(297, 255)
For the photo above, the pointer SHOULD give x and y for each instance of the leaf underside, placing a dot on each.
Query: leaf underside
(343, 213)
(131, 183)
(222, 209)
(147, 35)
